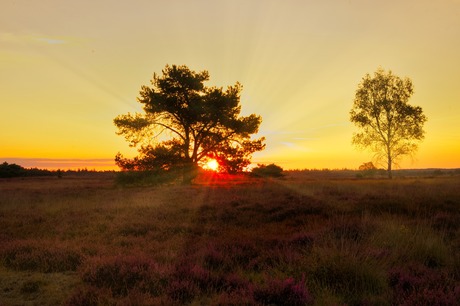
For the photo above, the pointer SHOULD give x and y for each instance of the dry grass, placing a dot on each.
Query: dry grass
(230, 240)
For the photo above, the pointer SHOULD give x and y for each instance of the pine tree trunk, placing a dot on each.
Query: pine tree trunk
(390, 174)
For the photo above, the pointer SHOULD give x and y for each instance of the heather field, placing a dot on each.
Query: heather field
(305, 239)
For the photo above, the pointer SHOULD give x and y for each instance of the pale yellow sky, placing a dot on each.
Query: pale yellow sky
(67, 68)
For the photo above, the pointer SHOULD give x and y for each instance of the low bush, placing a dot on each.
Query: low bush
(14, 170)
(271, 170)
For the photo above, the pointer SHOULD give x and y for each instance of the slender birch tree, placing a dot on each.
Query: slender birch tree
(388, 125)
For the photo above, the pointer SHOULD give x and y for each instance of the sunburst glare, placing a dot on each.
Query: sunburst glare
(212, 165)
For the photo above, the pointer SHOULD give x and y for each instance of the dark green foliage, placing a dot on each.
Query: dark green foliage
(11, 170)
(270, 170)
(188, 122)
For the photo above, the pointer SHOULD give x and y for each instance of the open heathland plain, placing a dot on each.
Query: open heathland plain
(303, 239)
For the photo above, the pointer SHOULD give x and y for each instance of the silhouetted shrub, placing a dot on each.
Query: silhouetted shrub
(14, 170)
(271, 170)
(369, 170)
(11, 170)
(367, 166)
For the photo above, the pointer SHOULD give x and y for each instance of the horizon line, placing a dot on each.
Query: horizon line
(102, 164)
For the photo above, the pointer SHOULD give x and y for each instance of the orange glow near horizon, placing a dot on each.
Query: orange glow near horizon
(66, 73)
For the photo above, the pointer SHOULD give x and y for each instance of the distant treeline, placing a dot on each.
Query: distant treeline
(370, 173)
(14, 170)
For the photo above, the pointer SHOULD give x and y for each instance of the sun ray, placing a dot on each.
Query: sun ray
(211, 164)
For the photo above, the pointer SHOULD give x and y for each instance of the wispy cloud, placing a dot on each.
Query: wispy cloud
(288, 144)
(51, 41)
(295, 146)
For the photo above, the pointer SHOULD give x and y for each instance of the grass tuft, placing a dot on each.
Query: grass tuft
(349, 277)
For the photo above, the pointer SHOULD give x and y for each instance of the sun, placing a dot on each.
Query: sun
(211, 164)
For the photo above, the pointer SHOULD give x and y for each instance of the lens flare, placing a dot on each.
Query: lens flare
(212, 164)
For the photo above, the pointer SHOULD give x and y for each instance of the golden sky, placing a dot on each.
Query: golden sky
(67, 68)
